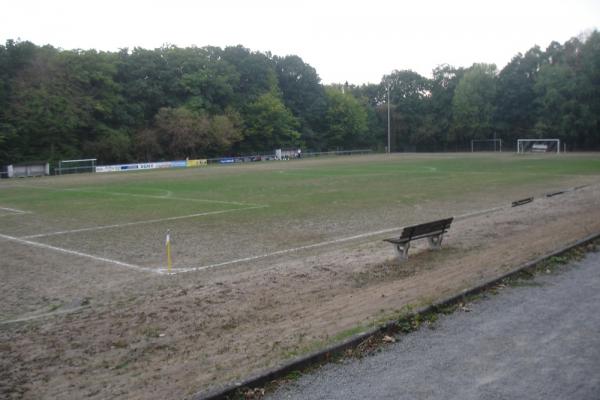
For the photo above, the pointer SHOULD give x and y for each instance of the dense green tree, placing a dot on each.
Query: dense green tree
(225, 131)
(210, 88)
(256, 74)
(515, 95)
(443, 85)
(181, 131)
(558, 109)
(409, 92)
(186, 134)
(45, 109)
(589, 90)
(146, 145)
(110, 146)
(7, 131)
(91, 76)
(346, 120)
(269, 125)
(473, 104)
(303, 94)
(148, 82)
(369, 97)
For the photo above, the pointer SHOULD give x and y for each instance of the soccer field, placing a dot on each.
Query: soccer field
(270, 260)
(220, 216)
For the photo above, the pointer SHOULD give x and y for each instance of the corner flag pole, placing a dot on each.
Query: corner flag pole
(168, 245)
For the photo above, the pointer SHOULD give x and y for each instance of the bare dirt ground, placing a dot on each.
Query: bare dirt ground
(157, 337)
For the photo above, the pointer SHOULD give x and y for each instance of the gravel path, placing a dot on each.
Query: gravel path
(535, 341)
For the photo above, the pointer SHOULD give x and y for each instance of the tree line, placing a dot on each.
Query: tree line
(173, 103)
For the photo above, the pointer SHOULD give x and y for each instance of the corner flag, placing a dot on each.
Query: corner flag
(168, 245)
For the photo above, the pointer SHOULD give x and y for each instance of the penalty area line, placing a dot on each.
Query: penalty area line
(14, 214)
(45, 315)
(14, 210)
(166, 197)
(79, 254)
(280, 252)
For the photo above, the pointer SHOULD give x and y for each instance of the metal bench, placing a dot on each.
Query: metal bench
(433, 231)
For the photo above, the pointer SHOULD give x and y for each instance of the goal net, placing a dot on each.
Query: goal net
(76, 166)
(486, 145)
(538, 146)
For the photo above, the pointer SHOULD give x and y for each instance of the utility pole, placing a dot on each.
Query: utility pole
(388, 104)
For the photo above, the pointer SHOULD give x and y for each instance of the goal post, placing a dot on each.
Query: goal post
(538, 146)
(486, 145)
(76, 166)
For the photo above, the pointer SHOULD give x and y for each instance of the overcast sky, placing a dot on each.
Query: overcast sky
(345, 40)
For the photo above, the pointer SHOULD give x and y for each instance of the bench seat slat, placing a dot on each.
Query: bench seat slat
(428, 229)
(403, 239)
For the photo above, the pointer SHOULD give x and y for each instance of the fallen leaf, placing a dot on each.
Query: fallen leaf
(388, 339)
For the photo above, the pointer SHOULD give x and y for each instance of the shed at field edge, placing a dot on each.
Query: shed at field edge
(21, 170)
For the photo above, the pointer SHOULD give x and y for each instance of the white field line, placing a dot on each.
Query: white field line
(314, 245)
(14, 211)
(13, 214)
(150, 221)
(167, 196)
(479, 212)
(49, 314)
(80, 254)
(276, 253)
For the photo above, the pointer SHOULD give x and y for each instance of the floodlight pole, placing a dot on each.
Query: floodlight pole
(388, 107)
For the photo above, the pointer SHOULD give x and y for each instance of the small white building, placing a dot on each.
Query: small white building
(23, 170)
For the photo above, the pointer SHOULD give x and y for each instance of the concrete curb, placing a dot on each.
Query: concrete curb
(326, 354)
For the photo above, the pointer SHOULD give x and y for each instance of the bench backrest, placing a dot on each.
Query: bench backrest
(426, 229)
(522, 201)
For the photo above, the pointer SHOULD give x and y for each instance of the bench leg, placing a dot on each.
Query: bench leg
(402, 250)
(435, 242)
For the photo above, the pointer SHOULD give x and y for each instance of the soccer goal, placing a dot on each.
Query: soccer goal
(76, 166)
(538, 146)
(486, 145)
